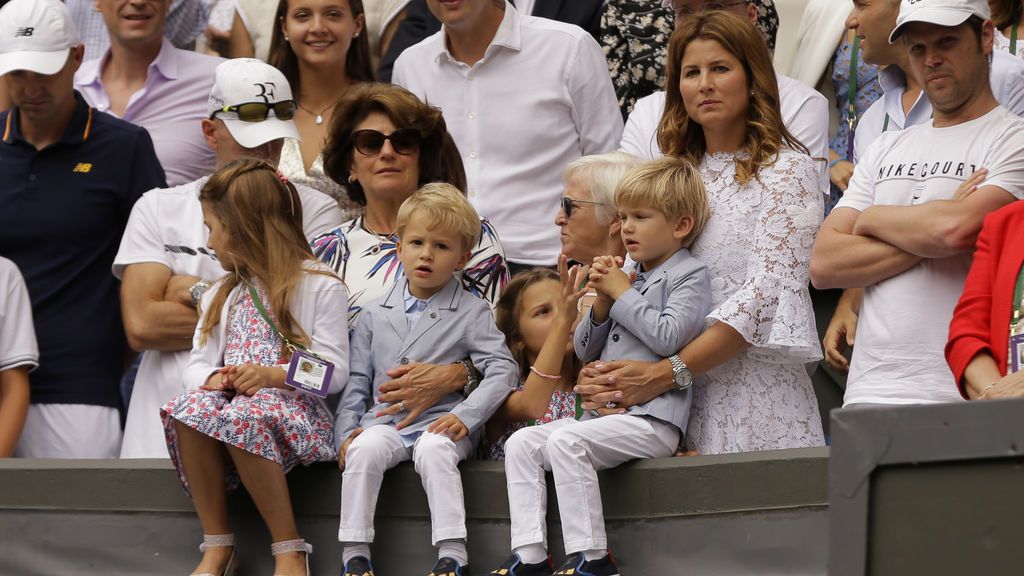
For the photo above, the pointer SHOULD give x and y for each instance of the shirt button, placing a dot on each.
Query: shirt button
(433, 314)
(31, 177)
(615, 337)
(472, 115)
(405, 361)
(472, 154)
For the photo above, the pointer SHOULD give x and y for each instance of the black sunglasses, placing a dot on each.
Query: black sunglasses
(570, 204)
(258, 111)
(404, 141)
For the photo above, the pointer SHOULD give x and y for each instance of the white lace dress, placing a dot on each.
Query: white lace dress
(757, 246)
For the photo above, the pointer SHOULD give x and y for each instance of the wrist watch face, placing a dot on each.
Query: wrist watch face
(682, 375)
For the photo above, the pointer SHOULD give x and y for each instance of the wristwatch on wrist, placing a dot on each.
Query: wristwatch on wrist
(681, 374)
(196, 291)
(472, 380)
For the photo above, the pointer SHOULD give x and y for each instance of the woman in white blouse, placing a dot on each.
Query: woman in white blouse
(321, 48)
(384, 144)
(722, 113)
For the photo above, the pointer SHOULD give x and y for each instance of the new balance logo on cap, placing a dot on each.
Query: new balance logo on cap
(24, 32)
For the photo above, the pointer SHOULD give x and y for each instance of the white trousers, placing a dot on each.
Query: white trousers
(574, 451)
(70, 431)
(380, 448)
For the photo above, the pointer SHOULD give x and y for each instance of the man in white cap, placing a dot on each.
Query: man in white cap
(71, 175)
(903, 230)
(145, 80)
(164, 263)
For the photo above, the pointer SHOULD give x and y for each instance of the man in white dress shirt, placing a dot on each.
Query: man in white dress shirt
(164, 262)
(523, 97)
(804, 110)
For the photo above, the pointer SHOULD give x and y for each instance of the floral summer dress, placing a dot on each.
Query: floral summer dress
(563, 405)
(285, 426)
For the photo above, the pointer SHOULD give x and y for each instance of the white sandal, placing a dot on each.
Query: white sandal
(297, 545)
(220, 541)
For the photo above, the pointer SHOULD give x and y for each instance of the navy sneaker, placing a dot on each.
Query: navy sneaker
(449, 567)
(358, 566)
(577, 565)
(516, 567)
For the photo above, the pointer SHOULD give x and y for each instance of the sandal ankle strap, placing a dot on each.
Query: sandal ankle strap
(217, 541)
(297, 545)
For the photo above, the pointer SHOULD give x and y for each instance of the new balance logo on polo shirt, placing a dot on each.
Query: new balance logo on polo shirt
(24, 32)
(83, 168)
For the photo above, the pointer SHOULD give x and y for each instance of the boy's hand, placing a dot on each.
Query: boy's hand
(343, 451)
(607, 278)
(450, 426)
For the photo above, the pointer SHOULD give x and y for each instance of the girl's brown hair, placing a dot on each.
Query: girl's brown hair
(358, 67)
(507, 312)
(439, 157)
(262, 220)
(1005, 13)
(679, 136)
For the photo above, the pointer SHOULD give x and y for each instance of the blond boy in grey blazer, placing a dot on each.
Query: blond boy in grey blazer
(425, 317)
(663, 207)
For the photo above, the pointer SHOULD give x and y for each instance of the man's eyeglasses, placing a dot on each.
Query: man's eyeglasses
(405, 141)
(258, 111)
(707, 6)
(570, 204)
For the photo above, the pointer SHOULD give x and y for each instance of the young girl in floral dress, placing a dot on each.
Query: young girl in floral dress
(537, 313)
(239, 418)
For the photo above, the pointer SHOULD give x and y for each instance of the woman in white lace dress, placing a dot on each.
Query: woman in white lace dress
(321, 48)
(766, 208)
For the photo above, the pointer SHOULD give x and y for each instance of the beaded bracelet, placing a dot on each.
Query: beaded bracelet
(543, 375)
(986, 389)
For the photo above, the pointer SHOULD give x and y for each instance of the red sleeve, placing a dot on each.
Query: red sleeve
(970, 329)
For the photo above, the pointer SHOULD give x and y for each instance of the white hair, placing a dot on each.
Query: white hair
(601, 173)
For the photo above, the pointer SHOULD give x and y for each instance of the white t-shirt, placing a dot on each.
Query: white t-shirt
(804, 113)
(166, 227)
(540, 98)
(886, 114)
(904, 320)
(17, 333)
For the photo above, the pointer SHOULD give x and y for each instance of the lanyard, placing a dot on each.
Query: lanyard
(266, 317)
(851, 97)
(1013, 39)
(1018, 295)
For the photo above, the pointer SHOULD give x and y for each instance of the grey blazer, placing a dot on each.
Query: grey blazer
(653, 323)
(456, 325)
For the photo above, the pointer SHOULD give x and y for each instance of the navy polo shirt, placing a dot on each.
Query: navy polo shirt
(62, 212)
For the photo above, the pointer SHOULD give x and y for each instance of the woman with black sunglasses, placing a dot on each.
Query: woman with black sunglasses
(383, 144)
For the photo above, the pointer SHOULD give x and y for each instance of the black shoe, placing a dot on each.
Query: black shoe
(577, 565)
(358, 566)
(449, 567)
(516, 567)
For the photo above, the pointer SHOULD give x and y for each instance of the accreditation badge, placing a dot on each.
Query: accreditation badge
(310, 373)
(1015, 361)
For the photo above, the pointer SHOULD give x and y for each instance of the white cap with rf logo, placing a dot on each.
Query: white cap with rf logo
(35, 35)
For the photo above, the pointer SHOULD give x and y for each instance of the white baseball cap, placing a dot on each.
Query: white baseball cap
(942, 12)
(248, 80)
(35, 35)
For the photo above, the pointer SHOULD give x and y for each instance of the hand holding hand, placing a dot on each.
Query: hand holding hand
(343, 451)
(417, 387)
(249, 378)
(219, 380)
(450, 426)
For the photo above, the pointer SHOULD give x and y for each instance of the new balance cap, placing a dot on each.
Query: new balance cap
(35, 35)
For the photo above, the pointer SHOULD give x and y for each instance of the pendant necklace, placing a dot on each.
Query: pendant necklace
(318, 118)
(380, 237)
